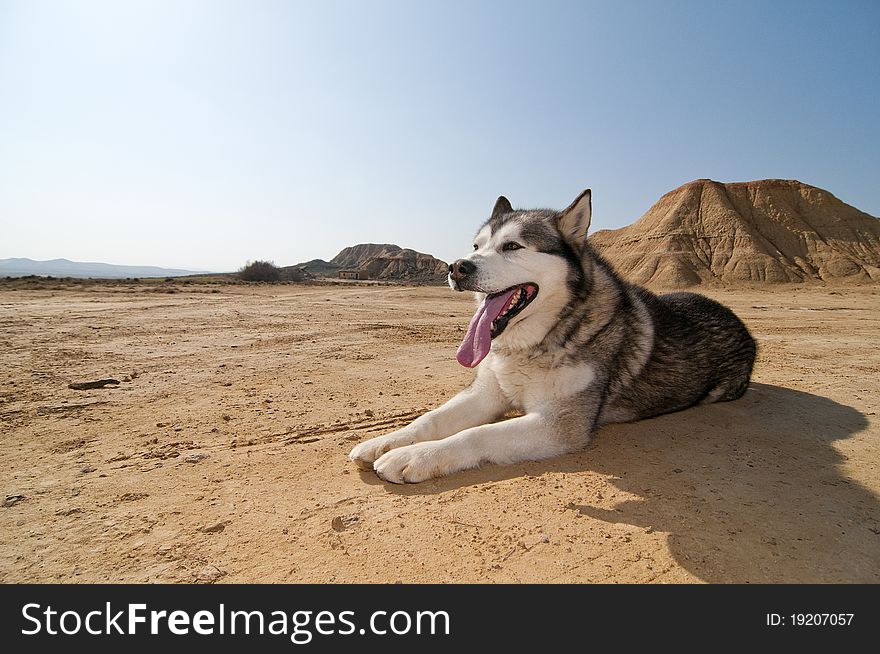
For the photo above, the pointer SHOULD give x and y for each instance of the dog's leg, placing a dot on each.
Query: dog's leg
(527, 438)
(480, 403)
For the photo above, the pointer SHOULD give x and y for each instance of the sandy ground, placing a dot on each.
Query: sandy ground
(275, 385)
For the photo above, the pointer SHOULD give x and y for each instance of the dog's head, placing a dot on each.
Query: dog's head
(522, 268)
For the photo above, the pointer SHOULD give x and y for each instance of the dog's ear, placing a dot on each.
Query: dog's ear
(502, 206)
(574, 221)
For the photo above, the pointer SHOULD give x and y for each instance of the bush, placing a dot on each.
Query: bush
(260, 271)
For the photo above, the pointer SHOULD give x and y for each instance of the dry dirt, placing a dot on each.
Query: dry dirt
(270, 387)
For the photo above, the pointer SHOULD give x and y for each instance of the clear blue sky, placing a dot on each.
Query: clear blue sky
(201, 134)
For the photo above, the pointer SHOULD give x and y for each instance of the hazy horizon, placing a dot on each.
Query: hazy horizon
(198, 135)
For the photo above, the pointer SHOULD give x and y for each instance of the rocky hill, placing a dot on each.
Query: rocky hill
(763, 231)
(406, 265)
(356, 255)
(380, 261)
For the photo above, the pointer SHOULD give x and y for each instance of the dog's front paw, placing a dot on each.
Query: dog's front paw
(414, 463)
(364, 454)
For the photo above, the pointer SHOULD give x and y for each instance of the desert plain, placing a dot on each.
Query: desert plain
(221, 456)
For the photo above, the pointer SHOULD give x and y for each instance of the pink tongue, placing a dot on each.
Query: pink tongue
(478, 338)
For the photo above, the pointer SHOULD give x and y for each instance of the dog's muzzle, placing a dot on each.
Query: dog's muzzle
(459, 273)
(460, 269)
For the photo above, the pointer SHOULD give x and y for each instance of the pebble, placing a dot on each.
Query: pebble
(12, 499)
(214, 528)
(209, 573)
(534, 539)
(195, 457)
(342, 522)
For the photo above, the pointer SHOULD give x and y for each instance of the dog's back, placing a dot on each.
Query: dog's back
(701, 352)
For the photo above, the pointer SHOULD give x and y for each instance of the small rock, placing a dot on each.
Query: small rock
(369, 413)
(342, 522)
(12, 499)
(99, 383)
(132, 497)
(214, 528)
(195, 457)
(126, 378)
(534, 539)
(209, 574)
(87, 469)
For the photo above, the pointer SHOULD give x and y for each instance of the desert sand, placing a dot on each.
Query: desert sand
(223, 457)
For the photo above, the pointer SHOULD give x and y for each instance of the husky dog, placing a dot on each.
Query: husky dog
(564, 341)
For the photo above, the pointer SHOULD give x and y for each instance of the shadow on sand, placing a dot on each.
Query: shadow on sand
(749, 491)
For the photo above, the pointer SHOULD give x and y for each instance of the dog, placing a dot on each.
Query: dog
(560, 339)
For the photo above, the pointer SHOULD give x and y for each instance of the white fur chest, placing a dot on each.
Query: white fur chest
(528, 384)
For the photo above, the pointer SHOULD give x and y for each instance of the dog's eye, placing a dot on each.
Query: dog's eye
(476, 247)
(510, 245)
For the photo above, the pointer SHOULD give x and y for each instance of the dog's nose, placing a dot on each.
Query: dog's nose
(461, 269)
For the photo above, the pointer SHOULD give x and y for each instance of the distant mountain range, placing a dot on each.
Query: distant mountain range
(83, 269)
(704, 232)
